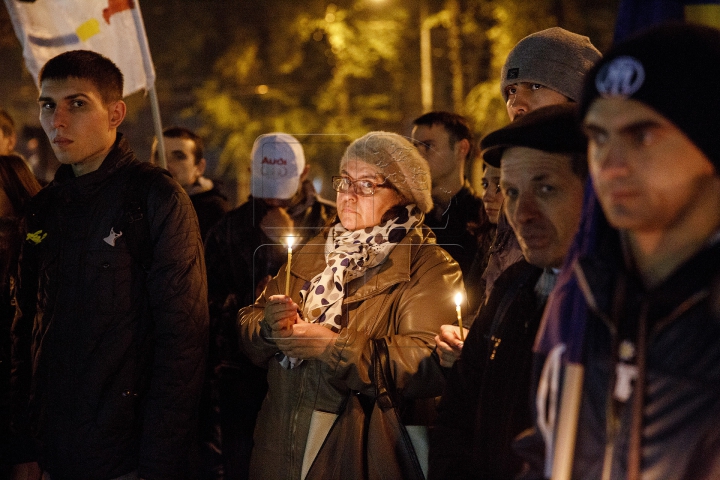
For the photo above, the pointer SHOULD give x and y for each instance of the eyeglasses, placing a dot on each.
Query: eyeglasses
(364, 188)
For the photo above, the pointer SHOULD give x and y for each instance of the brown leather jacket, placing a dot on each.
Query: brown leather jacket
(405, 300)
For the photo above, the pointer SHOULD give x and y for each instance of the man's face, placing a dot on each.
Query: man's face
(80, 127)
(180, 157)
(525, 97)
(433, 143)
(647, 174)
(543, 203)
(7, 143)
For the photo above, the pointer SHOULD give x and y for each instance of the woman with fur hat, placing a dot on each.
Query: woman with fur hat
(376, 273)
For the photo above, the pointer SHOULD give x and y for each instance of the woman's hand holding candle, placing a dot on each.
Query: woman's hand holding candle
(281, 313)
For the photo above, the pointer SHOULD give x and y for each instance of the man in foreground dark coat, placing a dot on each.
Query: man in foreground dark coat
(111, 335)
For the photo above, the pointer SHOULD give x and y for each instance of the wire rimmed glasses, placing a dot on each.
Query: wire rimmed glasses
(364, 188)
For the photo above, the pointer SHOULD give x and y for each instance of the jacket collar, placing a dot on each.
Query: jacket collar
(599, 271)
(310, 260)
(119, 156)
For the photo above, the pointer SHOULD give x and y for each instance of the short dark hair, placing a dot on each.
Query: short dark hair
(7, 125)
(87, 65)
(456, 125)
(181, 132)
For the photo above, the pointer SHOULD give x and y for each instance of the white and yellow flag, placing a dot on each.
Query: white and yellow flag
(112, 28)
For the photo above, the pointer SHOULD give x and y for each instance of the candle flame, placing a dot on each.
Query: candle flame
(458, 298)
(290, 240)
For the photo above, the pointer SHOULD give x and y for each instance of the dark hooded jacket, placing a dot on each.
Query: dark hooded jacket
(678, 418)
(110, 342)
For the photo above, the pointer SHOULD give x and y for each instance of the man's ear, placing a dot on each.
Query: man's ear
(12, 141)
(201, 166)
(463, 147)
(304, 173)
(117, 111)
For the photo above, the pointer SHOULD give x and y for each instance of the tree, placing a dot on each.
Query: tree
(336, 72)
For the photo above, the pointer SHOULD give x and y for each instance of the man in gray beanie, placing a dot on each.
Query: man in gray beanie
(546, 68)
(647, 404)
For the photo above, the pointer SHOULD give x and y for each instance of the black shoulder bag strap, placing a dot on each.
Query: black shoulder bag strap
(387, 406)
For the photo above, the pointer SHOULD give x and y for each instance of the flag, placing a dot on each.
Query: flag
(636, 15)
(112, 28)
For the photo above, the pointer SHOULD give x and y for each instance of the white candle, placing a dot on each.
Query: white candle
(458, 301)
(290, 240)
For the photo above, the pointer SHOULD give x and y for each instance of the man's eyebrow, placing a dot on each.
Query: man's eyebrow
(625, 129)
(640, 125)
(589, 127)
(541, 177)
(69, 97)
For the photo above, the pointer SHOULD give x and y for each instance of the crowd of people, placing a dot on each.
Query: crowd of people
(562, 323)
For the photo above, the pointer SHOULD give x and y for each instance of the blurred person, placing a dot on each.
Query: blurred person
(111, 332)
(17, 186)
(243, 251)
(376, 273)
(186, 163)
(648, 332)
(545, 68)
(8, 135)
(486, 399)
(492, 194)
(457, 219)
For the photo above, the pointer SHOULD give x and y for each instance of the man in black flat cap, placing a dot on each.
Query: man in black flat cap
(486, 400)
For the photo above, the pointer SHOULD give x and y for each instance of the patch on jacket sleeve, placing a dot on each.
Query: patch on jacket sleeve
(36, 237)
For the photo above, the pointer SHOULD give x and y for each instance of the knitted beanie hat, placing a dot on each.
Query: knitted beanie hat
(665, 68)
(397, 160)
(552, 129)
(554, 58)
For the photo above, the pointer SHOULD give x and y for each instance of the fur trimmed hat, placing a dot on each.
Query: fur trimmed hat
(665, 67)
(554, 57)
(397, 160)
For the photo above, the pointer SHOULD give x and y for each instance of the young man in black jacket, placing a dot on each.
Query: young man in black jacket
(644, 355)
(111, 335)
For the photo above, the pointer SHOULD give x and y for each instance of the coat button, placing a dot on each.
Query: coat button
(106, 265)
(126, 393)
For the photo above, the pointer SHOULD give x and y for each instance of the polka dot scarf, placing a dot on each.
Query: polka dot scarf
(348, 255)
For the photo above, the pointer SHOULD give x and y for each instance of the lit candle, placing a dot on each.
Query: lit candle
(458, 301)
(290, 240)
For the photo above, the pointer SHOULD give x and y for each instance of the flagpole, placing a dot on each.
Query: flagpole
(149, 73)
(564, 450)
